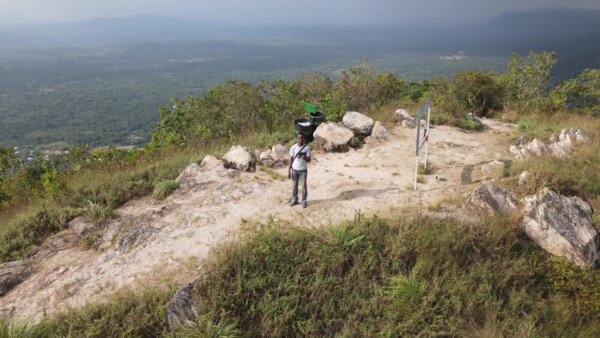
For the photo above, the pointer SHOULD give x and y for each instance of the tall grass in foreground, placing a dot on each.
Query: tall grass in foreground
(366, 278)
(415, 276)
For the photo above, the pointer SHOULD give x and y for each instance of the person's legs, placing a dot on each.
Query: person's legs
(303, 176)
(295, 178)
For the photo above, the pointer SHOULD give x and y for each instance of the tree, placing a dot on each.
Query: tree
(477, 92)
(528, 79)
(581, 93)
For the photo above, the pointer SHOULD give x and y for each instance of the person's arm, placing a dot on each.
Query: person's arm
(291, 161)
(308, 155)
(290, 167)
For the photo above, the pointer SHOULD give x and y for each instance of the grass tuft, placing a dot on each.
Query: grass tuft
(165, 188)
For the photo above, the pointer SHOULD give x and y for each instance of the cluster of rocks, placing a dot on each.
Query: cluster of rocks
(332, 136)
(560, 225)
(560, 145)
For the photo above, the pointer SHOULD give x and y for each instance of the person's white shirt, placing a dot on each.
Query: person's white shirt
(300, 163)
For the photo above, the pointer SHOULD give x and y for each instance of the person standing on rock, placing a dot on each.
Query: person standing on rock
(300, 154)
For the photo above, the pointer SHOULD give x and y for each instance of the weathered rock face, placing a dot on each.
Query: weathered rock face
(81, 227)
(12, 274)
(183, 308)
(359, 123)
(240, 158)
(490, 198)
(403, 114)
(562, 226)
(378, 134)
(136, 237)
(333, 137)
(560, 146)
(409, 124)
(276, 157)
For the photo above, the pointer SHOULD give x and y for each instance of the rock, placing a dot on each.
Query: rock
(266, 158)
(403, 114)
(522, 140)
(81, 227)
(409, 124)
(378, 134)
(359, 123)
(277, 157)
(240, 158)
(493, 167)
(490, 198)
(524, 178)
(281, 151)
(535, 147)
(13, 274)
(136, 237)
(560, 146)
(581, 136)
(182, 309)
(332, 136)
(562, 226)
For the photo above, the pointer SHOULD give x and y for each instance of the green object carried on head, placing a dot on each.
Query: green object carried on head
(310, 108)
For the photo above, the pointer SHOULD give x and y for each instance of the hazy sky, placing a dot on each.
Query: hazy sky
(280, 11)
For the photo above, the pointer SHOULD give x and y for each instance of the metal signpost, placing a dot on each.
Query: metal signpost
(426, 108)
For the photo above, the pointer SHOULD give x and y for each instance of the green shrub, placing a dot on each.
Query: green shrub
(165, 188)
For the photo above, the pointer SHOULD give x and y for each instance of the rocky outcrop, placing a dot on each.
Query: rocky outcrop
(240, 158)
(490, 198)
(276, 157)
(12, 274)
(182, 309)
(332, 136)
(560, 145)
(378, 134)
(359, 123)
(562, 226)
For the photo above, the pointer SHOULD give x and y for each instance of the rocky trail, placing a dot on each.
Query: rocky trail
(154, 241)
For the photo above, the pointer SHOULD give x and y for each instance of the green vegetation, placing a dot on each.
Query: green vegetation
(577, 174)
(412, 276)
(165, 188)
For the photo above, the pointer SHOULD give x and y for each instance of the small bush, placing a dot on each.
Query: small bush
(165, 188)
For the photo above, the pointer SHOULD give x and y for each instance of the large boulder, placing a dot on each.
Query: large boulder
(240, 158)
(210, 169)
(182, 309)
(378, 134)
(13, 274)
(276, 157)
(332, 136)
(359, 123)
(403, 114)
(490, 198)
(562, 226)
